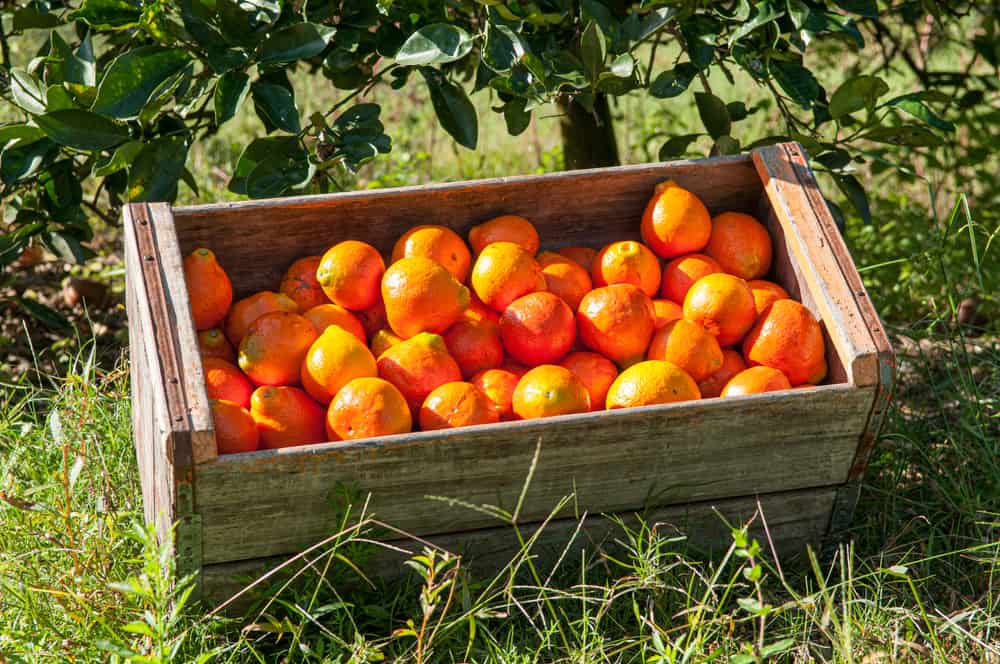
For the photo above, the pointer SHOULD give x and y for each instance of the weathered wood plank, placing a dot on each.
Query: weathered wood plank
(272, 502)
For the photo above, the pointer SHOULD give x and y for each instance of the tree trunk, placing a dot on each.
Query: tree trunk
(588, 138)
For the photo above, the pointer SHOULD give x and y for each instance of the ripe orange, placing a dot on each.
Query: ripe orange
(479, 311)
(549, 390)
(324, 315)
(475, 345)
(765, 292)
(209, 289)
(235, 430)
(675, 221)
(383, 340)
(421, 296)
(732, 364)
(439, 243)
(286, 416)
(213, 343)
(596, 372)
(688, 346)
(505, 228)
(249, 309)
(334, 359)
(368, 407)
(740, 244)
(583, 255)
(300, 283)
(627, 262)
(272, 351)
(665, 311)
(723, 305)
(504, 272)
(538, 328)
(498, 384)
(350, 273)
(565, 278)
(617, 322)
(651, 382)
(455, 405)
(680, 273)
(373, 318)
(417, 366)
(225, 382)
(756, 380)
(788, 338)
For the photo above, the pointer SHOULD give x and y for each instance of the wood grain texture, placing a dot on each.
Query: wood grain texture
(794, 519)
(256, 241)
(612, 461)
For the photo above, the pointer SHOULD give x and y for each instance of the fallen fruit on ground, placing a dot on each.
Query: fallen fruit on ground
(549, 390)
(209, 289)
(723, 305)
(235, 429)
(368, 407)
(505, 228)
(455, 405)
(225, 382)
(538, 328)
(350, 273)
(422, 296)
(334, 359)
(787, 337)
(756, 380)
(651, 382)
(287, 416)
(274, 346)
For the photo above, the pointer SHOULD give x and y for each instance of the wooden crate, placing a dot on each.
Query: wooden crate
(799, 453)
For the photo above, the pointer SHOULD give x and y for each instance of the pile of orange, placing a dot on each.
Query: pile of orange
(445, 333)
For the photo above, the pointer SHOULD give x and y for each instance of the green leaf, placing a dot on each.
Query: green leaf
(834, 160)
(503, 48)
(121, 158)
(763, 13)
(700, 32)
(855, 94)
(14, 242)
(713, 113)
(66, 247)
(230, 91)
(61, 185)
(677, 146)
(27, 91)
(797, 82)
(270, 166)
(69, 66)
(454, 110)
(674, 81)
(913, 135)
(44, 314)
(108, 14)
(516, 117)
(855, 193)
(82, 130)
(11, 132)
(593, 51)
(913, 104)
(23, 158)
(134, 77)
(776, 648)
(434, 44)
(30, 18)
(798, 11)
(57, 98)
(725, 145)
(296, 42)
(866, 8)
(357, 135)
(155, 171)
(275, 104)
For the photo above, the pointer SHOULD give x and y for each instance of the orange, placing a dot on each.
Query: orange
(583, 255)
(209, 289)
(740, 244)
(675, 221)
(235, 430)
(225, 382)
(723, 305)
(732, 364)
(438, 243)
(505, 228)
(688, 346)
(504, 272)
(549, 390)
(457, 405)
(538, 328)
(617, 322)
(249, 309)
(498, 384)
(272, 351)
(479, 311)
(475, 345)
(373, 318)
(665, 311)
(368, 407)
(595, 371)
(286, 416)
(300, 283)
(765, 292)
(333, 360)
(756, 380)
(418, 365)
(350, 273)
(788, 338)
(213, 343)
(383, 340)
(651, 382)
(680, 273)
(323, 316)
(565, 278)
(627, 262)
(421, 296)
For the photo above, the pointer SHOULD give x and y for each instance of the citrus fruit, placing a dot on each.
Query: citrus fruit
(418, 365)
(213, 343)
(675, 221)
(688, 346)
(723, 305)
(651, 382)
(627, 262)
(421, 296)
(787, 337)
(756, 380)
(350, 273)
(740, 244)
(272, 351)
(209, 289)
(617, 322)
(225, 382)
(503, 272)
(584, 256)
(383, 340)
(538, 328)
(300, 283)
(505, 228)
(475, 345)
(732, 364)
(479, 311)
(249, 309)
(438, 243)
(596, 372)
(565, 278)
(549, 390)
(334, 359)
(368, 407)
(665, 311)
(373, 318)
(286, 416)
(235, 429)
(764, 293)
(498, 384)
(680, 273)
(457, 404)
(323, 316)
